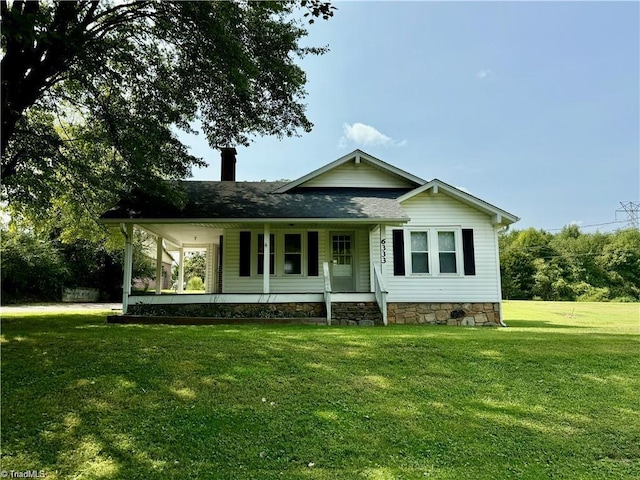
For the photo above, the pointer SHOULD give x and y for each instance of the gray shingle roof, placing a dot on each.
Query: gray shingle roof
(256, 200)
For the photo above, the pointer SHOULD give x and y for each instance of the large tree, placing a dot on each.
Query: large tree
(93, 91)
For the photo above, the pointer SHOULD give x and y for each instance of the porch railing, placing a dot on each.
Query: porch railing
(327, 290)
(380, 291)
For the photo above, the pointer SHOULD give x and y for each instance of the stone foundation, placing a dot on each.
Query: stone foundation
(232, 310)
(467, 314)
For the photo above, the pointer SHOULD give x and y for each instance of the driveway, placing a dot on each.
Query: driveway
(59, 307)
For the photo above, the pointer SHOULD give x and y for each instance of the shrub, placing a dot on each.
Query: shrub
(625, 299)
(595, 294)
(195, 283)
(32, 268)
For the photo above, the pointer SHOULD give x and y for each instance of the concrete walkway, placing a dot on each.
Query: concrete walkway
(58, 307)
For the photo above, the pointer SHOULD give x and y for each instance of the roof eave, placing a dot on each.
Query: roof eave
(116, 221)
(500, 217)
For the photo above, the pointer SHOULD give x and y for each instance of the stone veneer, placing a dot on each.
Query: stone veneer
(232, 310)
(467, 314)
(291, 309)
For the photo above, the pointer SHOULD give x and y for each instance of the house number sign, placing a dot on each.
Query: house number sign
(383, 250)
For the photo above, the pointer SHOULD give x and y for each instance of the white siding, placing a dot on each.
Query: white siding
(232, 282)
(442, 211)
(375, 255)
(280, 283)
(350, 174)
(362, 261)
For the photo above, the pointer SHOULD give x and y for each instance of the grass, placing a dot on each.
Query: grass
(555, 395)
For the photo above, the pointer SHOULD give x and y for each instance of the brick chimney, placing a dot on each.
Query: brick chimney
(228, 170)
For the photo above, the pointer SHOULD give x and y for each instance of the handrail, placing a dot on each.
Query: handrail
(327, 290)
(380, 291)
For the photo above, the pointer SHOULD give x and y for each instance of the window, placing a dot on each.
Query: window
(420, 252)
(435, 251)
(447, 252)
(341, 252)
(272, 249)
(292, 254)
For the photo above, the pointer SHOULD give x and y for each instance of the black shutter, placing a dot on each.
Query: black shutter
(312, 254)
(220, 258)
(398, 252)
(245, 254)
(468, 252)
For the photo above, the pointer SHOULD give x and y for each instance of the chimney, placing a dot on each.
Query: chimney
(228, 170)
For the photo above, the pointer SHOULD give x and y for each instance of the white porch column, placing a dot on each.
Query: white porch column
(266, 259)
(159, 252)
(128, 265)
(181, 271)
(208, 276)
(215, 257)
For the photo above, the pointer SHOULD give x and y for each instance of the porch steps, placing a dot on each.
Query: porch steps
(355, 313)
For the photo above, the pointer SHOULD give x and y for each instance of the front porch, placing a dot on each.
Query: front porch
(337, 266)
(333, 308)
(330, 309)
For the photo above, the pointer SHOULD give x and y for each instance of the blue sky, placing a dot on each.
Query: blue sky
(533, 107)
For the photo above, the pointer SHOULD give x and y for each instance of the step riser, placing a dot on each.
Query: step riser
(355, 314)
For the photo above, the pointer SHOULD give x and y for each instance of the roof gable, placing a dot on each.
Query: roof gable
(435, 186)
(356, 169)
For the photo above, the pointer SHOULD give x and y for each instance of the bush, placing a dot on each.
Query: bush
(195, 283)
(32, 268)
(625, 299)
(595, 294)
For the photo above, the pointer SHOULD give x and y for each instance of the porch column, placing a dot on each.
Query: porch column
(128, 265)
(208, 276)
(159, 265)
(266, 259)
(215, 257)
(181, 271)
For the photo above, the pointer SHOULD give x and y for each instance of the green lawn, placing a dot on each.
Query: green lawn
(555, 395)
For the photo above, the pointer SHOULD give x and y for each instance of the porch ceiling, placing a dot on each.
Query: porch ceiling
(200, 234)
(185, 234)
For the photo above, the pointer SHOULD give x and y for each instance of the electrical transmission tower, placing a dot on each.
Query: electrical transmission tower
(632, 209)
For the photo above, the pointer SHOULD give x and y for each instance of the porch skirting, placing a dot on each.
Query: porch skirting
(467, 314)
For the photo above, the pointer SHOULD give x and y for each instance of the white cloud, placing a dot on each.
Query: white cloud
(485, 73)
(577, 223)
(366, 135)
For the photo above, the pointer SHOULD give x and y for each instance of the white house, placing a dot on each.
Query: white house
(355, 236)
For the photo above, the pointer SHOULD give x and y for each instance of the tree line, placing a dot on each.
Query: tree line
(36, 266)
(38, 262)
(570, 265)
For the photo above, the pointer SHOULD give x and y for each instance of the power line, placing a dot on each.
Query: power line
(585, 226)
(632, 209)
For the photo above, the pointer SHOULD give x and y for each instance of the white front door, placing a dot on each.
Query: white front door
(342, 262)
